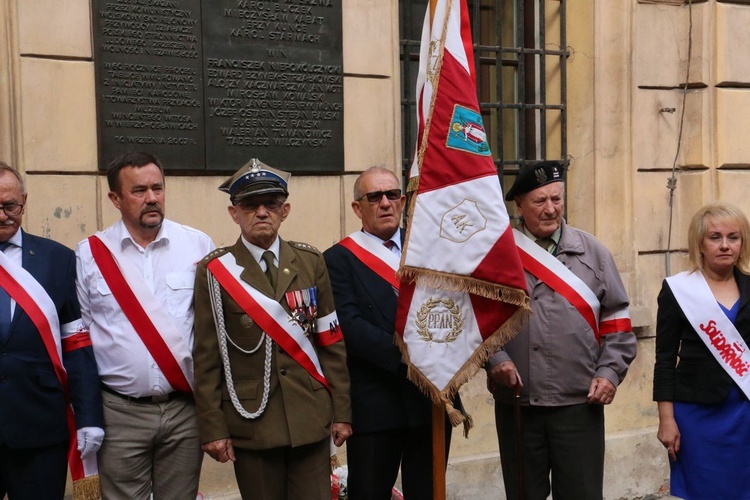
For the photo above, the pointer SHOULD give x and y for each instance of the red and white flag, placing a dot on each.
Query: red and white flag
(463, 290)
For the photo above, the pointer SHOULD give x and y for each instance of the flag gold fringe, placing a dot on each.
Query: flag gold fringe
(413, 184)
(445, 397)
(87, 488)
(465, 284)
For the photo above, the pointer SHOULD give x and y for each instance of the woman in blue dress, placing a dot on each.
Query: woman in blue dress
(704, 415)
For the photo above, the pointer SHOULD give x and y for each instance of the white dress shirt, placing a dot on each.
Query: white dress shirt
(395, 238)
(167, 266)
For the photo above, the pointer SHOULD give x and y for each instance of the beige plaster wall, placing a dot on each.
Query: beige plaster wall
(628, 60)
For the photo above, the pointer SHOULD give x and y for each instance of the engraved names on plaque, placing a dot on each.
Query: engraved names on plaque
(213, 83)
(149, 79)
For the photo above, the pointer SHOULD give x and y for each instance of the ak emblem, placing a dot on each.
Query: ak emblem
(303, 305)
(467, 132)
(439, 320)
(462, 222)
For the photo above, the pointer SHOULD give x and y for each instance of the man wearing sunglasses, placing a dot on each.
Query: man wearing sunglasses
(391, 417)
(271, 382)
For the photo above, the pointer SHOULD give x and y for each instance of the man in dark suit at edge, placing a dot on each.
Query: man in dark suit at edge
(391, 419)
(38, 281)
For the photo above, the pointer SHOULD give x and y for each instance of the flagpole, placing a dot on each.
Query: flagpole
(438, 411)
(438, 452)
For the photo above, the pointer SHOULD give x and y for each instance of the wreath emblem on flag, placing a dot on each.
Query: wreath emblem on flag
(441, 318)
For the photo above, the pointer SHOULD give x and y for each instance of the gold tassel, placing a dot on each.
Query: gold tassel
(87, 488)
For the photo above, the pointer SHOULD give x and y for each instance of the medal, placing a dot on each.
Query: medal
(303, 305)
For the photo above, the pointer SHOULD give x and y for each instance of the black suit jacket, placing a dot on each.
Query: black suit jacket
(382, 397)
(698, 378)
(32, 402)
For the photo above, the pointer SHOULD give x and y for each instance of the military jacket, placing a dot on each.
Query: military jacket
(300, 409)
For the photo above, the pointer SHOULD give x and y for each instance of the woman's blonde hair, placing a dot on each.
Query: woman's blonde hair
(723, 213)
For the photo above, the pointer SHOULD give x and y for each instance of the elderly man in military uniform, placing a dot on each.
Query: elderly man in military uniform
(271, 382)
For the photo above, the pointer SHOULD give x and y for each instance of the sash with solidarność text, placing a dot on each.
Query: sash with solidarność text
(553, 273)
(712, 326)
(37, 304)
(273, 319)
(153, 325)
(375, 256)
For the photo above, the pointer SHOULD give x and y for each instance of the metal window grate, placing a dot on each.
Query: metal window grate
(521, 77)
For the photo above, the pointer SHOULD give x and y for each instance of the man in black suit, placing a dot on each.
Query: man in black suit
(41, 333)
(391, 419)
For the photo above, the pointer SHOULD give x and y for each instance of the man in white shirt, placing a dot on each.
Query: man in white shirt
(135, 284)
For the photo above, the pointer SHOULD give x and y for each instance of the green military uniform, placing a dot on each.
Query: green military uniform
(300, 409)
(256, 404)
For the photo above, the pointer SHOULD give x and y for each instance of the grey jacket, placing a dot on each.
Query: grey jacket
(556, 353)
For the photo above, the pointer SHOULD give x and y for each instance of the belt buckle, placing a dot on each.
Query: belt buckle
(162, 398)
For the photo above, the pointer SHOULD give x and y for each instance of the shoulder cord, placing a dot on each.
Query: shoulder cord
(214, 290)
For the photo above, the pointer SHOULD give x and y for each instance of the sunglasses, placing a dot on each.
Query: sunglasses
(376, 196)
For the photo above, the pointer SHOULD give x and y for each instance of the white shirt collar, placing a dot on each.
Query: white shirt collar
(395, 238)
(124, 237)
(257, 252)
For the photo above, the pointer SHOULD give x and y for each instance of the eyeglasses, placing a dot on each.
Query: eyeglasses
(253, 206)
(12, 209)
(376, 196)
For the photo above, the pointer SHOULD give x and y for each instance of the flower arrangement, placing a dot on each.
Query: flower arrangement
(339, 477)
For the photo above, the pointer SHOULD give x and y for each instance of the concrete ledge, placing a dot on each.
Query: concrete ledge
(635, 467)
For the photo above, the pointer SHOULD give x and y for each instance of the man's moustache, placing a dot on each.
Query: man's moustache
(151, 209)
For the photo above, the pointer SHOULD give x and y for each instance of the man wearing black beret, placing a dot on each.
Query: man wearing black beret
(567, 361)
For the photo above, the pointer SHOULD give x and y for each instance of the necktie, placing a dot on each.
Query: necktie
(271, 270)
(390, 244)
(544, 243)
(5, 313)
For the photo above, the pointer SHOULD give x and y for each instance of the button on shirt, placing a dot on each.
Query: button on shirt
(167, 266)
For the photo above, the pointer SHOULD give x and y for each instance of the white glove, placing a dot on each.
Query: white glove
(89, 440)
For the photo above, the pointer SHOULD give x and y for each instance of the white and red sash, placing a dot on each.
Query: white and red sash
(273, 318)
(375, 256)
(712, 326)
(546, 268)
(37, 304)
(153, 325)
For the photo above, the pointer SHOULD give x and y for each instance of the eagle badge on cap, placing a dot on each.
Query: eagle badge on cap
(540, 174)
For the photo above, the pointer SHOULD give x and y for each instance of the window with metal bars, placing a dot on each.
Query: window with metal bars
(520, 55)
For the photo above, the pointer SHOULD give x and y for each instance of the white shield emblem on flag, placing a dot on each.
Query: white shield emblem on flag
(462, 222)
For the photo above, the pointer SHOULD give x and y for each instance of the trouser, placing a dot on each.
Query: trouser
(566, 441)
(33, 473)
(285, 473)
(374, 459)
(149, 447)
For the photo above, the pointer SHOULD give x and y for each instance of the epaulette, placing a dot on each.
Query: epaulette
(216, 253)
(304, 246)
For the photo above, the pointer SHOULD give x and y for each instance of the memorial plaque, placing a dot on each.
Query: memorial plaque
(149, 80)
(274, 83)
(210, 84)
